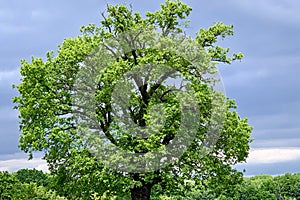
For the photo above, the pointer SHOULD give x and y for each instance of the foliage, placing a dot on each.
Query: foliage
(259, 187)
(47, 110)
(288, 185)
(33, 176)
(12, 188)
(285, 187)
(8, 185)
(268, 187)
(34, 192)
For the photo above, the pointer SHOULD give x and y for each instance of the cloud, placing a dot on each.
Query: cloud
(260, 159)
(9, 133)
(9, 77)
(14, 162)
(274, 161)
(11, 28)
(286, 11)
(265, 84)
(279, 133)
(273, 155)
(276, 143)
(279, 120)
(269, 168)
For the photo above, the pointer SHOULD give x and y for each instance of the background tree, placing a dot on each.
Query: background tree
(33, 176)
(270, 187)
(8, 185)
(47, 110)
(288, 186)
(258, 187)
(35, 192)
(12, 188)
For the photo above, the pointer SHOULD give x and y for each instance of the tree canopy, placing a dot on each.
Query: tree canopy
(18, 185)
(129, 58)
(257, 187)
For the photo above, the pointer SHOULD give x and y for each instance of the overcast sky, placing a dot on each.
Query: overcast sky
(265, 84)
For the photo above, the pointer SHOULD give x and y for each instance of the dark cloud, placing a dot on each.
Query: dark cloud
(28, 29)
(277, 142)
(271, 168)
(279, 133)
(264, 84)
(8, 136)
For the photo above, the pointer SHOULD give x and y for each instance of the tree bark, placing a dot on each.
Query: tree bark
(141, 193)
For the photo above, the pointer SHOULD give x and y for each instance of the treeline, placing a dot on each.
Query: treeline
(34, 184)
(285, 187)
(27, 184)
(260, 187)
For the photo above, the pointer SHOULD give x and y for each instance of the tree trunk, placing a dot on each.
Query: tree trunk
(141, 193)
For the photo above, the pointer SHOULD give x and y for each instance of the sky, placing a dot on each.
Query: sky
(265, 84)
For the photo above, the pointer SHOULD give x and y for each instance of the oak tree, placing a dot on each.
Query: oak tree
(72, 91)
